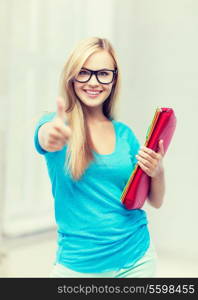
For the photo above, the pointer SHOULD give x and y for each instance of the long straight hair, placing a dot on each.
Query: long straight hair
(79, 151)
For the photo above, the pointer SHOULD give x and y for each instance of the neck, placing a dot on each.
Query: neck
(94, 115)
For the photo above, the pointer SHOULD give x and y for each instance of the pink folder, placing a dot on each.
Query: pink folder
(137, 188)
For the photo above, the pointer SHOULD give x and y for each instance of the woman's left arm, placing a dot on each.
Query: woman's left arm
(151, 163)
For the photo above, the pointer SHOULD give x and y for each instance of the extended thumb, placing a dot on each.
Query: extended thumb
(61, 108)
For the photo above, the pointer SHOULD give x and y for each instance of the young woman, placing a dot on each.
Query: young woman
(90, 156)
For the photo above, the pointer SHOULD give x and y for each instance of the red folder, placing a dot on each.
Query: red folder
(137, 188)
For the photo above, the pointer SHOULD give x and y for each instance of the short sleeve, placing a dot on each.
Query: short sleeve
(46, 118)
(134, 146)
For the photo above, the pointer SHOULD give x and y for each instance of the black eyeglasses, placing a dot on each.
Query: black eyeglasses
(104, 76)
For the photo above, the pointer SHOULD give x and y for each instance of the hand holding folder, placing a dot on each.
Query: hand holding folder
(137, 188)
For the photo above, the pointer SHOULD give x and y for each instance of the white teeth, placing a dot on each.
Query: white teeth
(92, 93)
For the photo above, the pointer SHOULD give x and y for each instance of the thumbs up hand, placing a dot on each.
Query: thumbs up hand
(55, 134)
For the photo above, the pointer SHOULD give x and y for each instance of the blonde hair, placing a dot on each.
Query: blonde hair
(79, 153)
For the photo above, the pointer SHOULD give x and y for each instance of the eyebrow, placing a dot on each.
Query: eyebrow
(97, 70)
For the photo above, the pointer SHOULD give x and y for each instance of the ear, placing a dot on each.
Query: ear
(73, 85)
(114, 82)
(115, 79)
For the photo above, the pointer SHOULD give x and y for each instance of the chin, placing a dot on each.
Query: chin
(92, 104)
(91, 101)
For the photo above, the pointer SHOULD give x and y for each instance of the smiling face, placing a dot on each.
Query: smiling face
(93, 93)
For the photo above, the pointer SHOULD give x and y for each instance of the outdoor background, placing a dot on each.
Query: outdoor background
(157, 45)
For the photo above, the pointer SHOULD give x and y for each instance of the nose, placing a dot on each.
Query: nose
(93, 80)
